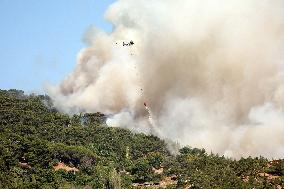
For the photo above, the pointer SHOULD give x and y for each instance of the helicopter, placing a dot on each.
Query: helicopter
(128, 44)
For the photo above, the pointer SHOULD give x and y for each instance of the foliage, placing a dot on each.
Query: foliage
(35, 137)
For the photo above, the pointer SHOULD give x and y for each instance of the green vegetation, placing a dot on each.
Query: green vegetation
(36, 140)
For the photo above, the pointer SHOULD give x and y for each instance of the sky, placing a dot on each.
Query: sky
(39, 40)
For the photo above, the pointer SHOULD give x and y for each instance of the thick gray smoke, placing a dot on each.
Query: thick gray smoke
(211, 72)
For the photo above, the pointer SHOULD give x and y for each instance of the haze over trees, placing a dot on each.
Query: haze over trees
(43, 148)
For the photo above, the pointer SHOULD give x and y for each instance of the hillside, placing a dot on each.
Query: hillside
(43, 148)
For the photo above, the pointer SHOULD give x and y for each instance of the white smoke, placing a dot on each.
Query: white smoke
(211, 71)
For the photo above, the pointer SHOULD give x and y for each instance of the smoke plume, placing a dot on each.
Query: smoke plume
(211, 72)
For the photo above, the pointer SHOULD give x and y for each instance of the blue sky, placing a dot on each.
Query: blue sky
(40, 39)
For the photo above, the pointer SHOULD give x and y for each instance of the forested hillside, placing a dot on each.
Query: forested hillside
(43, 148)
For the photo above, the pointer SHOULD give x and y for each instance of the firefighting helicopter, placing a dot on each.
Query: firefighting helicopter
(128, 44)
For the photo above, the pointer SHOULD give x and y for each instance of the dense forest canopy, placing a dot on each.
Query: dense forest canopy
(43, 148)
